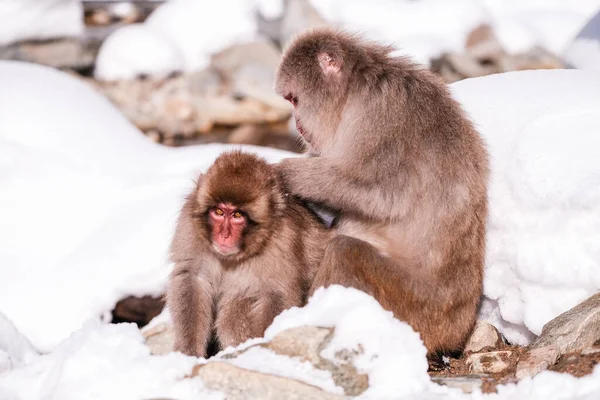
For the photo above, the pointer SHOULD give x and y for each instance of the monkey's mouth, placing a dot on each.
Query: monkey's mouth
(226, 250)
(301, 130)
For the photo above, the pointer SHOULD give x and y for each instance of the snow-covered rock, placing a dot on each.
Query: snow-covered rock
(543, 245)
(194, 28)
(135, 50)
(39, 19)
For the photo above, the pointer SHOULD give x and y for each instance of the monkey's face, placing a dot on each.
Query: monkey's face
(227, 224)
(313, 76)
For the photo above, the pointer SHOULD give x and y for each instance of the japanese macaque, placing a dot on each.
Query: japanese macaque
(399, 160)
(243, 252)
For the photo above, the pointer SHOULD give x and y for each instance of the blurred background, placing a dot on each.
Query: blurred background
(196, 71)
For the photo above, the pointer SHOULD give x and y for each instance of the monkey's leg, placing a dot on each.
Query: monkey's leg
(245, 318)
(190, 305)
(442, 317)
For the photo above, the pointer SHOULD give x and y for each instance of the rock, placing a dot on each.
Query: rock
(484, 335)
(239, 383)
(307, 342)
(59, 53)
(466, 383)
(536, 361)
(489, 363)
(573, 330)
(137, 309)
(536, 58)
(160, 338)
(590, 351)
(299, 15)
(483, 45)
(251, 69)
(480, 34)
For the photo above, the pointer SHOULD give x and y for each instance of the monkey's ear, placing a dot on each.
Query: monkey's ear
(328, 63)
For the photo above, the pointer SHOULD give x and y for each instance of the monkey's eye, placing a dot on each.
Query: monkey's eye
(237, 214)
(219, 212)
(292, 99)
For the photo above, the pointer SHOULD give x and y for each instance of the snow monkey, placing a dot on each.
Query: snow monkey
(401, 163)
(243, 252)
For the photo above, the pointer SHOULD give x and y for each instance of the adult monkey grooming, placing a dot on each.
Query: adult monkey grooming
(399, 160)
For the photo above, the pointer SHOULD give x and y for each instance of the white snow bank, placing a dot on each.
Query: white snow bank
(543, 247)
(88, 203)
(39, 19)
(104, 362)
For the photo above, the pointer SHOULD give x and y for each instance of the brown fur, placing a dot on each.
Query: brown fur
(236, 298)
(407, 171)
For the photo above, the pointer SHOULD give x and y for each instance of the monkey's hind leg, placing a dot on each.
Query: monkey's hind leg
(353, 263)
(412, 298)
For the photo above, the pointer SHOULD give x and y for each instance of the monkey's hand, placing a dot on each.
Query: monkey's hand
(326, 182)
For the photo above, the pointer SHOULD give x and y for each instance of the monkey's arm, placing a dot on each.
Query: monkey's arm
(190, 303)
(326, 182)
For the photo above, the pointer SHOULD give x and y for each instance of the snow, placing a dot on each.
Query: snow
(584, 51)
(543, 248)
(104, 361)
(15, 349)
(39, 19)
(136, 49)
(88, 202)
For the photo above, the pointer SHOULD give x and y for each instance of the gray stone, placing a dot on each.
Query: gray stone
(489, 363)
(466, 383)
(484, 335)
(159, 338)
(239, 383)
(299, 16)
(59, 53)
(573, 330)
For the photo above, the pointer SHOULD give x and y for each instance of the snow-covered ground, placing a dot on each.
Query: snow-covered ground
(88, 206)
(424, 29)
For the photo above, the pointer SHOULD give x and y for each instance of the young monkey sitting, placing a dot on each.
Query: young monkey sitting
(243, 253)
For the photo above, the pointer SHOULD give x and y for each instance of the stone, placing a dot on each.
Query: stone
(306, 344)
(484, 335)
(573, 330)
(138, 309)
(492, 362)
(71, 53)
(238, 383)
(299, 16)
(160, 338)
(466, 383)
(536, 361)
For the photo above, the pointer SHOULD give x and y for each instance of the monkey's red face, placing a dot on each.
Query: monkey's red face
(228, 223)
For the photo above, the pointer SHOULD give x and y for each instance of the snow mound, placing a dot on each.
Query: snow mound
(88, 202)
(543, 247)
(390, 351)
(134, 50)
(39, 19)
(104, 362)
